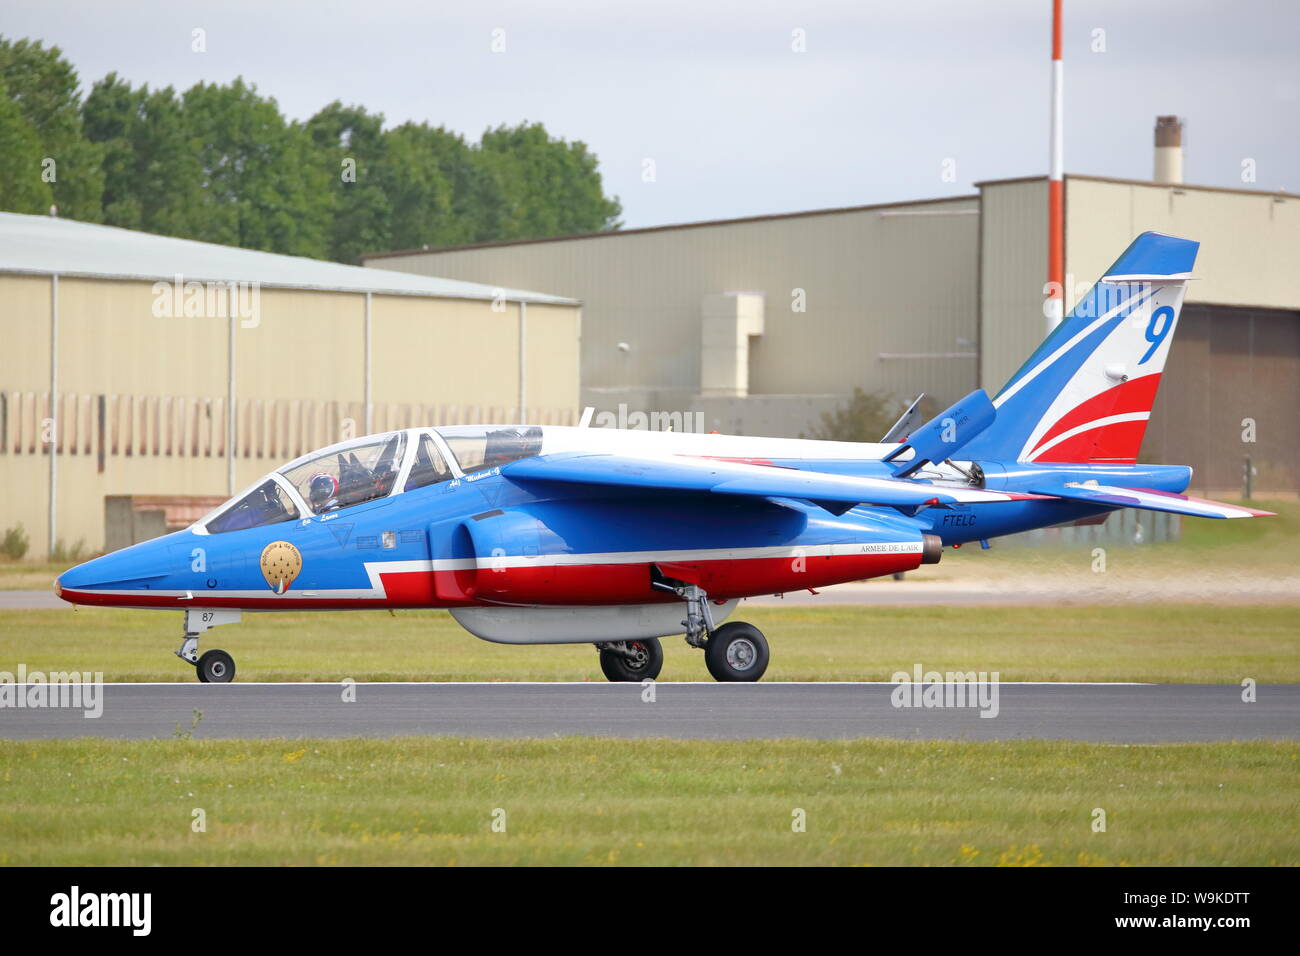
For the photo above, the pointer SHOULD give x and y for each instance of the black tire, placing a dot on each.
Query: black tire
(618, 668)
(215, 667)
(736, 652)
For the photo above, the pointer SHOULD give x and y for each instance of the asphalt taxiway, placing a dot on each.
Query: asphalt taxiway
(1121, 713)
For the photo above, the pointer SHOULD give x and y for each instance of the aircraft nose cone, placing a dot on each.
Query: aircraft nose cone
(132, 569)
(83, 575)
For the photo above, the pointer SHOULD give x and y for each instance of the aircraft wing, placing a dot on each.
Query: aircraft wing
(1147, 499)
(835, 493)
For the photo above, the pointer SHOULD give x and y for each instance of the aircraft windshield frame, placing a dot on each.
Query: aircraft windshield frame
(482, 447)
(399, 465)
(296, 509)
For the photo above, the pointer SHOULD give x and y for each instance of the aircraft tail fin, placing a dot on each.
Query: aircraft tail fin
(1085, 395)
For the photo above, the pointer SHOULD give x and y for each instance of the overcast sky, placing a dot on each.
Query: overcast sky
(735, 121)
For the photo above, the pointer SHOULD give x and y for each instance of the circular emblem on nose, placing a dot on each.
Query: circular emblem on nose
(281, 562)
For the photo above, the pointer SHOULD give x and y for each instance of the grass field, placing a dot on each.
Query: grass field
(1166, 643)
(634, 802)
(581, 801)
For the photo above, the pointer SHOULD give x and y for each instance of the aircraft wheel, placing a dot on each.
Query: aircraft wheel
(736, 652)
(215, 667)
(649, 661)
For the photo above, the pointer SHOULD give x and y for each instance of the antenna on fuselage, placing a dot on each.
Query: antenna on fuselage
(904, 426)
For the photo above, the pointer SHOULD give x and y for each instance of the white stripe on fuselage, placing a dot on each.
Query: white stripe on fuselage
(562, 438)
(376, 591)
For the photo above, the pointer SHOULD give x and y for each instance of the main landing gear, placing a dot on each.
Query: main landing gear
(734, 653)
(632, 660)
(214, 666)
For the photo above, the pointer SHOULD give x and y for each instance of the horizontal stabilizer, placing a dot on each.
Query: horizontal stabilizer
(685, 473)
(1147, 499)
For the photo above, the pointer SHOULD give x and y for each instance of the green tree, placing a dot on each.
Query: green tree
(21, 187)
(541, 186)
(433, 186)
(352, 152)
(221, 163)
(152, 176)
(44, 87)
(263, 186)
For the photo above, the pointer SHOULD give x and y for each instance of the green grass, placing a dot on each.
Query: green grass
(581, 801)
(1164, 643)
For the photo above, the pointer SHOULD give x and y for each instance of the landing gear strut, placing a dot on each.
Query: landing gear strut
(214, 666)
(735, 652)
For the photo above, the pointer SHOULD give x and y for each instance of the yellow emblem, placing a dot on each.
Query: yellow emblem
(281, 563)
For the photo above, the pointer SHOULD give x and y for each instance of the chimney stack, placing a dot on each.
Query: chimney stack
(1169, 149)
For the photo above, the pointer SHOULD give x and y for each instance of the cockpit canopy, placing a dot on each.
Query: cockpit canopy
(347, 474)
(365, 469)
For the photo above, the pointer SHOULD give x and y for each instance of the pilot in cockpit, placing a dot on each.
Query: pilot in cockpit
(323, 491)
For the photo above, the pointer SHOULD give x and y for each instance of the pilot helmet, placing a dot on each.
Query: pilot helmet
(322, 488)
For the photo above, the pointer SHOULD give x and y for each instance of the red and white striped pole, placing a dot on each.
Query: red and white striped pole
(1055, 307)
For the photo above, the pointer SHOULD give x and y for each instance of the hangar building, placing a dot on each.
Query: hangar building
(761, 324)
(181, 371)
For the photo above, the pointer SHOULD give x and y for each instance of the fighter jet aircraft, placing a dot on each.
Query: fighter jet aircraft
(616, 538)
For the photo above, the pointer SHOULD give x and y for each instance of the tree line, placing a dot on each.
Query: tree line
(221, 163)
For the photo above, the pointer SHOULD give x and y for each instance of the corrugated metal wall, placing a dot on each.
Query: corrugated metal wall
(1013, 270)
(142, 398)
(1231, 392)
(1250, 243)
(896, 281)
(1236, 355)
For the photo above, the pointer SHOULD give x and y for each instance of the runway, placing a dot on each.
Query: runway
(1121, 713)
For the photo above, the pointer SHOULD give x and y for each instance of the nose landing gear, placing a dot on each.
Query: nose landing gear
(214, 666)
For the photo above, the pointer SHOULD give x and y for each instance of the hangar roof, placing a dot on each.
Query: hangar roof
(45, 245)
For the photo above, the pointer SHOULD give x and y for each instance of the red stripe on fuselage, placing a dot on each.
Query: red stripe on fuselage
(585, 584)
